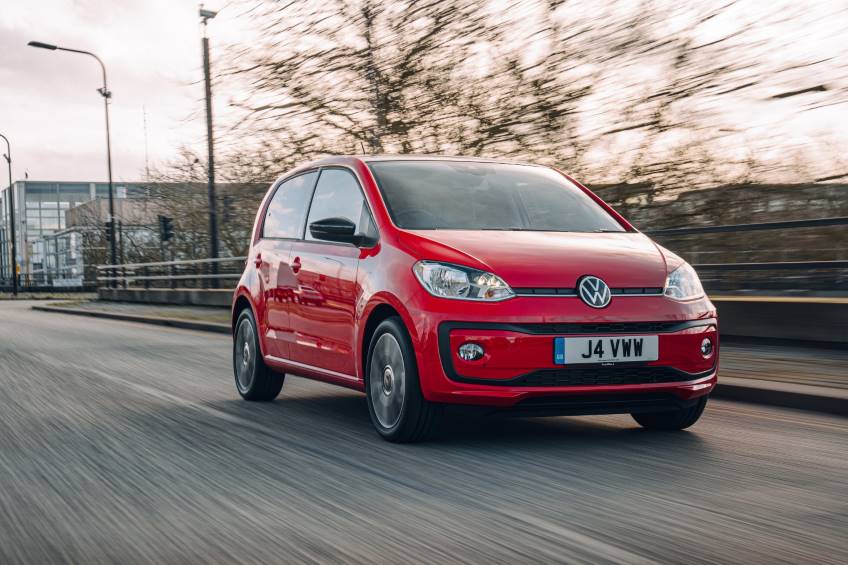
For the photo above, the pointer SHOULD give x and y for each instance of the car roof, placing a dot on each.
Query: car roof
(367, 158)
(350, 160)
(374, 158)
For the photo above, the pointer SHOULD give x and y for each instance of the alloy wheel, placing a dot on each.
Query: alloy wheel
(245, 361)
(387, 380)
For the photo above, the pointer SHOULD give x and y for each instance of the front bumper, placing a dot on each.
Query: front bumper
(518, 369)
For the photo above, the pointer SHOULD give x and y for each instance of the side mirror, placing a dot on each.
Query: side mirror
(335, 229)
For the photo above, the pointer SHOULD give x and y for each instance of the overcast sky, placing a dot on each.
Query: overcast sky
(49, 107)
(51, 112)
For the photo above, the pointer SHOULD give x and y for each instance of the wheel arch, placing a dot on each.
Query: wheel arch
(240, 303)
(380, 308)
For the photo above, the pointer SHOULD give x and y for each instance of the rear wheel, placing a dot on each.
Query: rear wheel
(254, 379)
(398, 410)
(673, 419)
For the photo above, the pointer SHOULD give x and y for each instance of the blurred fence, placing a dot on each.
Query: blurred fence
(193, 274)
(767, 276)
(826, 276)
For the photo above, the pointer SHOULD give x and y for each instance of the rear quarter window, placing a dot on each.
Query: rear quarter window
(286, 213)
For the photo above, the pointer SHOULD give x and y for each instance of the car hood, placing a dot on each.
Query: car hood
(548, 259)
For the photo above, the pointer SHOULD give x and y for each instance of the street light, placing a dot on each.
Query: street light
(205, 16)
(104, 92)
(8, 157)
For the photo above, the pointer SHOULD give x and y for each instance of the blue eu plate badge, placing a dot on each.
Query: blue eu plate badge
(559, 351)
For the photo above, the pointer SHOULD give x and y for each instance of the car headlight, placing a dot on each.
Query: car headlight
(683, 283)
(455, 281)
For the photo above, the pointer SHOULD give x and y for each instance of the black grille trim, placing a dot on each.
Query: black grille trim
(581, 328)
(546, 291)
(528, 291)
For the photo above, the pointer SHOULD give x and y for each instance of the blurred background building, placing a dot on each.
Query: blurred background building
(40, 212)
(61, 234)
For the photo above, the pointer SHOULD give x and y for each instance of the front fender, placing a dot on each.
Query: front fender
(372, 303)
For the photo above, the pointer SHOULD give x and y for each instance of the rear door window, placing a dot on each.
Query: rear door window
(286, 213)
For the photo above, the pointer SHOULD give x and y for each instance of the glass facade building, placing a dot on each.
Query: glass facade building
(40, 214)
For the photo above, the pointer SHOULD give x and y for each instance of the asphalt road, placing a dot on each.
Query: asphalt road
(122, 442)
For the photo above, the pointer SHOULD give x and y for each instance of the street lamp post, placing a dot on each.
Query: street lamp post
(205, 16)
(106, 94)
(8, 157)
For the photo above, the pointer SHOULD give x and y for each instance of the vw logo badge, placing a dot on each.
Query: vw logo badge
(594, 292)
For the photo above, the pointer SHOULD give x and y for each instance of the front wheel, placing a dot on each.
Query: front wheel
(678, 419)
(254, 379)
(398, 410)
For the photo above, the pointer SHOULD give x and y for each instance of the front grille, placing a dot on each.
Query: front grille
(648, 291)
(605, 328)
(556, 291)
(545, 291)
(598, 376)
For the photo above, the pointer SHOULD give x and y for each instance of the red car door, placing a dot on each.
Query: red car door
(283, 223)
(271, 261)
(322, 312)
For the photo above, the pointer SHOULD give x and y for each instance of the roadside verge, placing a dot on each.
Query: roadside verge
(156, 320)
(786, 395)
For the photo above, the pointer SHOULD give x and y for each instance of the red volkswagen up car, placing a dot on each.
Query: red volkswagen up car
(431, 281)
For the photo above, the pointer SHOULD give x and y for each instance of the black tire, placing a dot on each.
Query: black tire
(398, 409)
(254, 379)
(674, 419)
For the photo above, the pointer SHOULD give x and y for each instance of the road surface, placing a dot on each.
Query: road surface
(123, 442)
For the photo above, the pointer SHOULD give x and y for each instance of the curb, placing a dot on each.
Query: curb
(170, 322)
(784, 395)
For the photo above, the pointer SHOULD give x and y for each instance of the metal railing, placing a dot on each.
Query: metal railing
(789, 224)
(751, 275)
(193, 273)
(805, 275)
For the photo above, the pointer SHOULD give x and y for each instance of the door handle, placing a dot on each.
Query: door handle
(258, 260)
(295, 266)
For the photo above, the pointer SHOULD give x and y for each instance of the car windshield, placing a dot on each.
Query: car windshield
(467, 195)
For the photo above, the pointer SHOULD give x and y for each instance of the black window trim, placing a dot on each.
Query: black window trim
(364, 200)
(274, 190)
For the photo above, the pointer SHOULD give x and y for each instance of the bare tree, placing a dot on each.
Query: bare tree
(179, 192)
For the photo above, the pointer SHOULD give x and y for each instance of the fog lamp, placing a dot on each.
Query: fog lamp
(470, 352)
(707, 347)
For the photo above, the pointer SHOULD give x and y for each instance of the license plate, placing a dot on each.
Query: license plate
(573, 350)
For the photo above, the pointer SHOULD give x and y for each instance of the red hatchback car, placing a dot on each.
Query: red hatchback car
(431, 281)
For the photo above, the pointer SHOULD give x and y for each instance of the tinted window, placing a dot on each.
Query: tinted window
(464, 195)
(287, 210)
(336, 196)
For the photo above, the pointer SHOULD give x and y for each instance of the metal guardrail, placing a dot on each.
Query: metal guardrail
(6, 287)
(203, 273)
(191, 273)
(762, 226)
(776, 266)
(789, 224)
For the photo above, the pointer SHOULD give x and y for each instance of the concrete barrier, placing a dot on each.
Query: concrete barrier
(181, 296)
(789, 318)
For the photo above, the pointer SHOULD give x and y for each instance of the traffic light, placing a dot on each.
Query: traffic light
(166, 228)
(110, 230)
